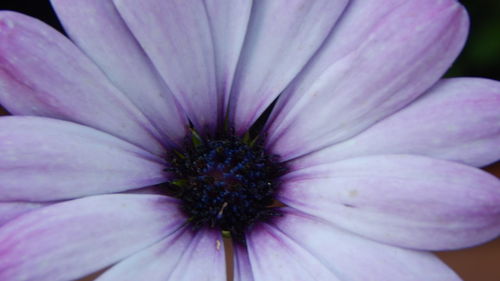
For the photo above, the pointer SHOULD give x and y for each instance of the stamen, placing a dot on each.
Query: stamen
(227, 182)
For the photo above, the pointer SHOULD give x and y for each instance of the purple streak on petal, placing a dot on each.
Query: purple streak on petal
(72, 239)
(42, 73)
(203, 260)
(11, 210)
(44, 159)
(97, 28)
(175, 34)
(357, 259)
(274, 256)
(242, 266)
(282, 37)
(228, 23)
(403, 200)
(380, 57)
(457, 120)
(155, 263)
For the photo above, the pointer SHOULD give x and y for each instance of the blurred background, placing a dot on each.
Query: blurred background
(481, 57)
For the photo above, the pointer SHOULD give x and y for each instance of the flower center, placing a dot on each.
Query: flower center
(228, 183)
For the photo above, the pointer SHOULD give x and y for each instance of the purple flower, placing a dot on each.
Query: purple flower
(318, 135)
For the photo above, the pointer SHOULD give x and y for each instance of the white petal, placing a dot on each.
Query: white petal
(274, 256)
(69, 240)
(228, 22)
(97, 28)
(44, 159)
(403, 200)
(242, 266)
(457, 120)
(11, 210)
(155, 263)
(44, 74)
(282, 36)
(204, 260)
(176, 36)
(357, 259)
(381, 56)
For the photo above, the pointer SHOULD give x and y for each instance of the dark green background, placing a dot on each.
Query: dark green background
(481, 55)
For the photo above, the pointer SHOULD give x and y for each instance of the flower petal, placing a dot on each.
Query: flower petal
(45, 159)
(228, 22)
(380, 57)
(357, 259)
(97, 28)
(11, 210)
(282, 37)
(69, 240)
(203, 260)
(274, 256)
(183, 256)
(155, 263)
(42, 73)
(402, 200)
(457, 120)
(176, 36)
(242, 266)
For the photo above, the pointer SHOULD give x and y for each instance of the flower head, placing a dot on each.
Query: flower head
(317, 135)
